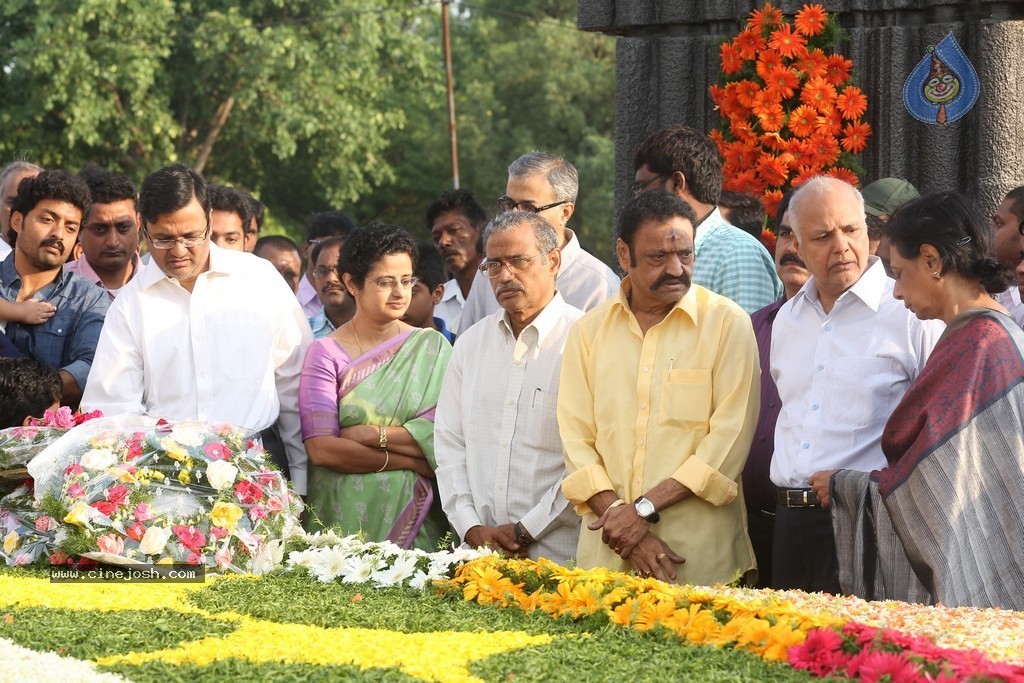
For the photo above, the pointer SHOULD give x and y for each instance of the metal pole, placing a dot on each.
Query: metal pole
(451, 93)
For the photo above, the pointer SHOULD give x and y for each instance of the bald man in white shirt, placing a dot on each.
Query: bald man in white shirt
(843, 353)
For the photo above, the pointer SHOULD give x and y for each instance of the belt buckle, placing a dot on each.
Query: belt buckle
(796, 498)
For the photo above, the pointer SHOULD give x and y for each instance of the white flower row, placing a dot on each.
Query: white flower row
(21, 665)
(331, 557)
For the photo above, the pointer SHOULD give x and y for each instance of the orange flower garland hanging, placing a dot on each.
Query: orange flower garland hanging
(789, 109)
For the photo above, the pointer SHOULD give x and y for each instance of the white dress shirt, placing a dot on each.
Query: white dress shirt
(5, 249)
(841, 374)
(583, 280)
(450, 308)
(231, 351)
(308, 297)
(1010, 300)
(499, 454)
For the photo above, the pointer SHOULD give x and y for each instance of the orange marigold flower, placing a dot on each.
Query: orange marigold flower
(746, 91)
(743, 181)
(717, 93)
(766, 61)
(788, 43)
(825, 149)
(782, 81)
(844, 174)
(852, 102)
(772, 170)
(855, 137)
(810, 21)
(765, 18)
(799, 150)
(716, 137)
(771, 199)
(818, 93)
(802, 121)
(830, 123)
(742, 131)
(774, 141)
(814, 64)
(803, 174)
(731, 60)
(768, 238)
(748, 44)
(771, 117)
(838, 69)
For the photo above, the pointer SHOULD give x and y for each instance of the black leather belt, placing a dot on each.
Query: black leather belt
(798, 498)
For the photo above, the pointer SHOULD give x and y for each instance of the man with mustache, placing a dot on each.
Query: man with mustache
(110, 237)
(843, 353)
(547, 185)
(456, 220)
(499, 456)
(321, 226)
(657, 405)
(46, 217)
(758, 490)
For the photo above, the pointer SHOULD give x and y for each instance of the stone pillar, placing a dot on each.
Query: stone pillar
(667, 56)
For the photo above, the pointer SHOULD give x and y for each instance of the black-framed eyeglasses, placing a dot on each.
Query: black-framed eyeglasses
(506, 203)
(187, 242)
(517, 264)
(641, 185)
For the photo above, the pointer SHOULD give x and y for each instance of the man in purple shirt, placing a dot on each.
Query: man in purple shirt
(758, 490)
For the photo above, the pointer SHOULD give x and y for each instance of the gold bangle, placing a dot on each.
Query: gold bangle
(382, 442)
(387, 459)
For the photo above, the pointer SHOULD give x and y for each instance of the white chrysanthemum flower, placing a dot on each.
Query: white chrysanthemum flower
(397, 573)
(358, 569)
(329, 564)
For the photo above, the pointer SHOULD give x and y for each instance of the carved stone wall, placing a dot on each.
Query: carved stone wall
(667, 56)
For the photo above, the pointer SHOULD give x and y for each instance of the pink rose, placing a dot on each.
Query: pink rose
(275, 504)
(143, 512)
(58, 557)
(110, 543)
(217, 451)
(194, 558)
(268, 479)
(257, 512)
(73, 470)
(134, 449)
(45, 524)
(223, 557)
(190, 537)
(76, 491)
(85, 417)
(118, 495)
(248, 493)
(21, 560)
(24, 432)
(105, 507)
(218, 532)
(63, 418)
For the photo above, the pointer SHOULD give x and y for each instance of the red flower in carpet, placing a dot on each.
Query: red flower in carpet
(189, 536)
(817, 653)
(896, 668)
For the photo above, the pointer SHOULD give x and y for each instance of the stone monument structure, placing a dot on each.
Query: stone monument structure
(667, 56)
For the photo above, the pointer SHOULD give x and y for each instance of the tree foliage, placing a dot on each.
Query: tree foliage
(313, 104)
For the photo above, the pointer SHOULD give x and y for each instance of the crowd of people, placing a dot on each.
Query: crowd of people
(846, 415)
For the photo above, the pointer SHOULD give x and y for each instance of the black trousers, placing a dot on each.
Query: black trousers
(761, 528)
(275, 447)
(804, 551)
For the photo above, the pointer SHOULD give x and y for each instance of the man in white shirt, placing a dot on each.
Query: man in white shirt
(1006, 233)
(456, 220)
(547, 185)
(499, 454)
(843, 353)
(202, 333)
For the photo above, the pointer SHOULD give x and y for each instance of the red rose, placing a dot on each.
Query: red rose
(217, 451)
(118, 495)
(190, 537)
(72, 470)
(136, 531)
(248, 493)
(105, 507)
(75, 491)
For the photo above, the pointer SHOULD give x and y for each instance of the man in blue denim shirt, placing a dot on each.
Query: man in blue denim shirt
(45, 218)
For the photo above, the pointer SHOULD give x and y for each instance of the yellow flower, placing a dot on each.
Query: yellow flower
(488, 586)
(225, 515)
(78, 515)
(11, 541)
(173, 449)
(780, 638)
(183, 476)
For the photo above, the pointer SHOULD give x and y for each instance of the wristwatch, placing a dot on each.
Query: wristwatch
(645, 509)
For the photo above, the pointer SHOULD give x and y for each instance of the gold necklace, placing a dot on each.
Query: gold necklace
(358, 343)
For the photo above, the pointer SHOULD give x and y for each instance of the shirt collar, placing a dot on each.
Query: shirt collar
(9, 274)
(869, 288)
(708, 227)
(543, 323)
(152, 274)
(85, 269)
(570, 252)
(453, 291)
(686, 306)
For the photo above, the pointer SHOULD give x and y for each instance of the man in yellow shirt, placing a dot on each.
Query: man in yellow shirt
(658, 401)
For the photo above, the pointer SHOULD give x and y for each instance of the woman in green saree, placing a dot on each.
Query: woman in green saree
(367, 400)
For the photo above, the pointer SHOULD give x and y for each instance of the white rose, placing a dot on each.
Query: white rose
(221, 474)
(154, 540)
(99, 459)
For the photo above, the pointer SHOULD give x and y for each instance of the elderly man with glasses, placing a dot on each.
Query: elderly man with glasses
(546, 185)
(499, 455)
(203, 333)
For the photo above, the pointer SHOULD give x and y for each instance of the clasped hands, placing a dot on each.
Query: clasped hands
(629, 535)
(501, 538)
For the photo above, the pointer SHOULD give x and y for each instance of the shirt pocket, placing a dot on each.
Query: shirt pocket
(865, 391)
(686, 399)
(541, 432)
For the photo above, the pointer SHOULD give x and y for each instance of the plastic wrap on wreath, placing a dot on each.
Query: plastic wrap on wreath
(134, 489)
(18, 445)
